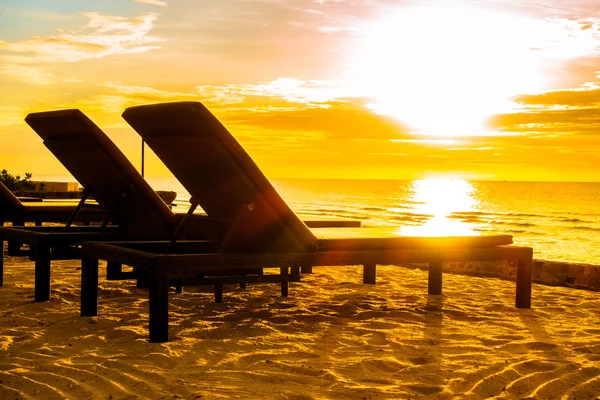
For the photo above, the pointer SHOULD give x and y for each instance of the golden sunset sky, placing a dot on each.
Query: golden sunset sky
(482, 89)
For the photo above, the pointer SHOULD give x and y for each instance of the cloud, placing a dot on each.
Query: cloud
(266, 108)
(559, 112)
(288, 89)
(153, 2)
(339, 120)
(28, 74)
(11, 116)
(102, 36)
(145, 93)
(582, 120)
(565, 98)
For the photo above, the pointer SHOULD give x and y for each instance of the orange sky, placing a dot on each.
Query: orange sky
(498, 89)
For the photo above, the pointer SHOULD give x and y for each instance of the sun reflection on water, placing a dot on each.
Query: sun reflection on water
(439, 198)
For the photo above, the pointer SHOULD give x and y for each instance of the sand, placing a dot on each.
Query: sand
(332, 338)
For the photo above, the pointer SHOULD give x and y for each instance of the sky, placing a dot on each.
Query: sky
(377, 89)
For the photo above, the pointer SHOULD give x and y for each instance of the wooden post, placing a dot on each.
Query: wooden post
(1, 259)
(113, 270)
(218, 292)
(295, 272)
(142, 279)
(42, 272)
(285, 284)
(434, 284)
(524, 271)
(158, 306)
(89, 286)
(306, 269)
(14, 248)
(369, 274)
(142, 157)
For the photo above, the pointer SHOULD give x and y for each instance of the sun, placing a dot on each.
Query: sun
(443, 69)
(439, 199)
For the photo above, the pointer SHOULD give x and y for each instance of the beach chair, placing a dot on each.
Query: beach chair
(262, 230)
(130, 208)
(136, 211)
(19, 211)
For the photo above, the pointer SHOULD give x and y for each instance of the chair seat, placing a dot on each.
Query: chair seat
(388, 238)
(48, 207)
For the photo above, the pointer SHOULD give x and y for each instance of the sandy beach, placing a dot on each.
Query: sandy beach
(332, 338)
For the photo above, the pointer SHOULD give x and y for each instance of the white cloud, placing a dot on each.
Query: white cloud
(288, 89)
(153, 2)
(11, 116)
(148, 92)
(102, 36)
(29, 74)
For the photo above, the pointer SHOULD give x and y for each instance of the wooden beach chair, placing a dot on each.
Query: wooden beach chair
(127, 202)
(262, 230)
(136, 211)
(20, 211)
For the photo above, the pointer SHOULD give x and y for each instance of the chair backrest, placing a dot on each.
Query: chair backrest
(102, 169)
(220, 176)
(8, 200)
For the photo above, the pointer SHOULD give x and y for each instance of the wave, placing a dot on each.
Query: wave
(564, 219)
(373, 208)
(408, 218)
(513, 223)
(586, 228)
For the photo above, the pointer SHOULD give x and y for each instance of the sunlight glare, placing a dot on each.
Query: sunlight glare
(444, 68)
(440, 198)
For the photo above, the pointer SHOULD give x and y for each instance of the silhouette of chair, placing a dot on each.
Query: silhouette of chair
(136, 211)
(18, 211)
(125, 199)
(261, 230)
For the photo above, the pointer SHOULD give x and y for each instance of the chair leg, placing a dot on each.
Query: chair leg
(524, 271)
(306, 269)
(370, 274)
(14, 248)
(434, 285)
(113, 270)
(1, 259)
(285, 284)
(158, 285)
(42, 272)
(295, 272)
(89, 286)
(142, 280)
(218, 292)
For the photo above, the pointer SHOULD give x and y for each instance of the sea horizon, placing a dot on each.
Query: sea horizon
(69, 178)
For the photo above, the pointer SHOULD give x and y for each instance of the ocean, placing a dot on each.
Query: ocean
(560, 220)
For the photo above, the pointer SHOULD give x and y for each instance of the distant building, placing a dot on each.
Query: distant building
(55, 186)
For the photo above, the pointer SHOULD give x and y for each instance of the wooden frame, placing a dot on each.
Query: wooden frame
(48, 243)
(190, 260)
